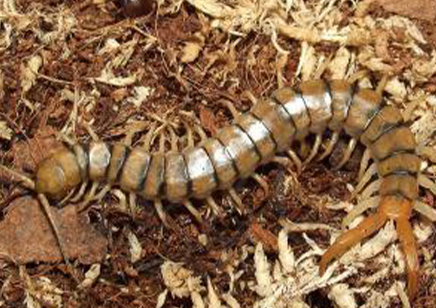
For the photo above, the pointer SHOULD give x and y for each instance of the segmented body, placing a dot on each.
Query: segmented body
(253, 139)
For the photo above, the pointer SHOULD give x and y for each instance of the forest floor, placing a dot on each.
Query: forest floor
(67, 66)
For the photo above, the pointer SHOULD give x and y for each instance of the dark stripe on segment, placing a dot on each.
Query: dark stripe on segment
(275, 100)
(252, 141)
(232, 159)
(354, 88)
(106, 172)
(83, 171)
(328, 91)
(266, 127)
(88, 168)
(122, 163)
(161, 188)
(402, 172)
(215, 174)
(386, 130)
(145, 167)
(397, 152)
(298, 92)
(375, 113)
(189, 182)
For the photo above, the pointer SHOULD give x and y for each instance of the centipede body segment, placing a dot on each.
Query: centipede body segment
(252, 139)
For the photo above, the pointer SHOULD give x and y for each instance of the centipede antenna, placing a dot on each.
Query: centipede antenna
(372, 170)
(19, 178)
(262, 183)
(238, 202)
(364, 163)
(193, 211)
(314, 150)
(216, 209)
(330, 145)
(296, 160)
(351, 146)
(47, 210)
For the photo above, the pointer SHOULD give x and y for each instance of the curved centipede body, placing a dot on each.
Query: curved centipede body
(253, 139)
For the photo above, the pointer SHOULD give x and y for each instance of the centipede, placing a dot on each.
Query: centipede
(255, 138)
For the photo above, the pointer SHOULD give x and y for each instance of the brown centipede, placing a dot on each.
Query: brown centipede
(251, 140)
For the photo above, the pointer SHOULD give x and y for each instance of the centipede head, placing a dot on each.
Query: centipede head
(57, 175)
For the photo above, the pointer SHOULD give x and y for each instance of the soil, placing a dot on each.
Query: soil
(72, 65)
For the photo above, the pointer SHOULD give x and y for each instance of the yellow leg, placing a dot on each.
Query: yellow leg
(351, 146)
(296, 160)
(330, 145)
(239, 205)
(314, 150)
(364, 163)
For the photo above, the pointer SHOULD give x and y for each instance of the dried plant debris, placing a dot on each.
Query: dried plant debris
(27, 236)
(71, 65)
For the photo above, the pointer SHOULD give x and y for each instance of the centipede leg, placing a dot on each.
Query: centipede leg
(80, 193)
(364, 163)
(304, 148)
(314, 150)
(351, 146)
(132, 204)
(330, 145)
(251, 97)
(425, 209)
(161, 213)
(216, 209)
(296, 160)
(370, 190)
(370, 172)
(229, 105)
(193, 211)
(359, 209)
(407, 240)
(350, 238)
(262, 183)
(238, 202)
(91, 131)
(425, 182)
